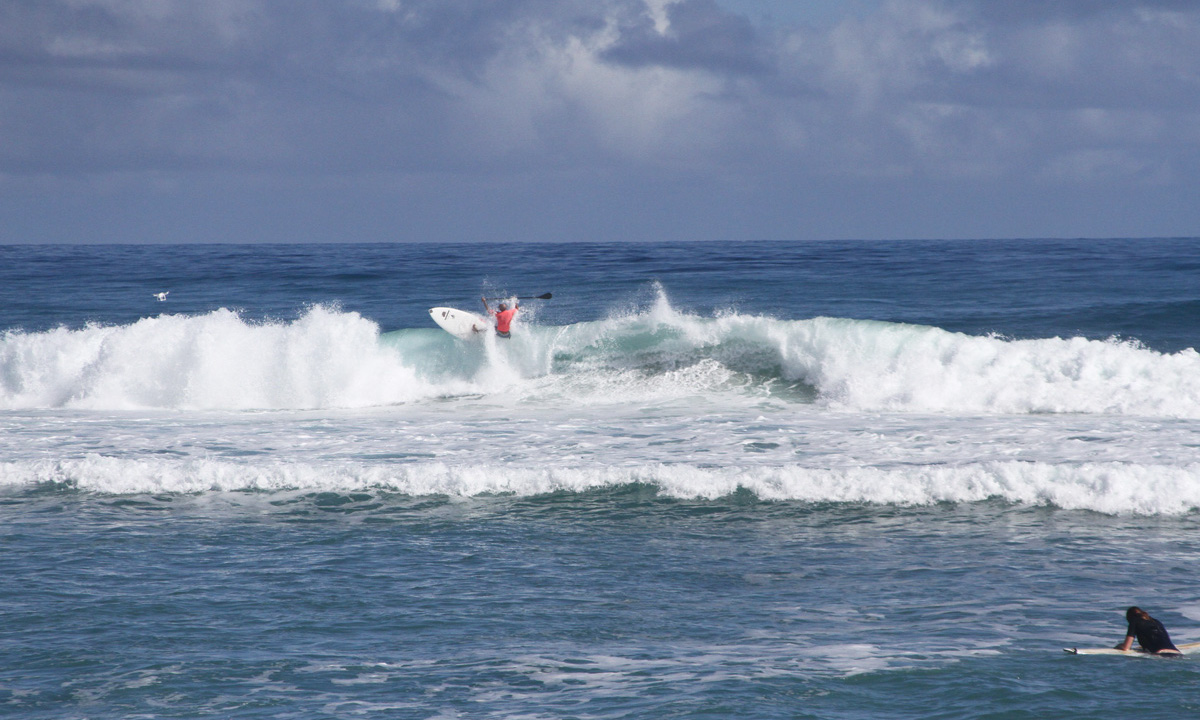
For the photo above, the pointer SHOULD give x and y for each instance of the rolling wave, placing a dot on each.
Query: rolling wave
(333, 359)
(1106, 487)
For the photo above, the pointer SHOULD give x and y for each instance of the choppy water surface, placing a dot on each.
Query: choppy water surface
(760, 480)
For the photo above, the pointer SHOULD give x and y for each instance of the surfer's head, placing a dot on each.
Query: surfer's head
(503, 307)
(1136, 613)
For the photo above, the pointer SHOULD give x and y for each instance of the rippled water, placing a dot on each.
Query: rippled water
(828, 480)
(600, 604)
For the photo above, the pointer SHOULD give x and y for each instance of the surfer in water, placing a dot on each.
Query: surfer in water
(504, 317)
(1150, 634)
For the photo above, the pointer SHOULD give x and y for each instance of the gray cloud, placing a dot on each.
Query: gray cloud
(607, 94)
(695, 34)
(1038, 11)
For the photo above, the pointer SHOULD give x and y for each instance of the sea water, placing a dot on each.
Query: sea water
(752, 480)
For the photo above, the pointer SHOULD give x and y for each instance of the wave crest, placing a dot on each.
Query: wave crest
(328, 358)
(863, 365)
(213, 361)
(1110, 487)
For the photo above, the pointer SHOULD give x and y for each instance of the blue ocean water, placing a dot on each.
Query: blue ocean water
(754, 480)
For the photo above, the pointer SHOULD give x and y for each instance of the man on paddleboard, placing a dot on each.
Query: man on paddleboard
(504, 317)
(1150, 633)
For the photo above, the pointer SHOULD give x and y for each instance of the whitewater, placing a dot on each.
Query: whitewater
(819, 409)
(755, 480)
(332, 359)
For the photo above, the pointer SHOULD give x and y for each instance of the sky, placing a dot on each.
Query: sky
(597, 120)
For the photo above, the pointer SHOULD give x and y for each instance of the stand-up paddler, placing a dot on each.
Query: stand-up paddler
(504, 317)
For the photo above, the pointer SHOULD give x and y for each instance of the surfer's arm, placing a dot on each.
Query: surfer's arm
(486, 306)
(1128, 643)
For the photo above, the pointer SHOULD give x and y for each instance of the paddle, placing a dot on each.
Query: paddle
(545, 296)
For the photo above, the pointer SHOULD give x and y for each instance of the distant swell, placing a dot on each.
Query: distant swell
(1114, 488)
(332, 359)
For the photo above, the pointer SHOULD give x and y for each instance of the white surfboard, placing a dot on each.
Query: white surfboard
(1184, 648)
(459, 323)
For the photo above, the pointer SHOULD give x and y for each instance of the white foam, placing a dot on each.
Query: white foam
(876, 366)
(213, 361)
(880, 366)
(1113, 488)
(331, 359)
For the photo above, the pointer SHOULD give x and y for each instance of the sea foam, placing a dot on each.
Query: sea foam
(1113, 488)
(332, 359)
(863, 365)
(213, 361)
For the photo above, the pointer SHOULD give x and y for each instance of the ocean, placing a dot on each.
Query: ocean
(841, 480)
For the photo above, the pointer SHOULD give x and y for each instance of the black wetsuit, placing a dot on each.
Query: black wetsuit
(1151, 635)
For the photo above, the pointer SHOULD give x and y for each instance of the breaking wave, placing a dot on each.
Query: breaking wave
(333, 359)
(1113, 488)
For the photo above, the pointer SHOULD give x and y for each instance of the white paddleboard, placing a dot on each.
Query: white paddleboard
(1184, 648)
(459, 323)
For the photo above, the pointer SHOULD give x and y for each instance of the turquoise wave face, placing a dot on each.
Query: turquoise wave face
(333, 359)
(835, 362)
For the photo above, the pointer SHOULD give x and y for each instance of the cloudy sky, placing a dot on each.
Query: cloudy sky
(504, 120)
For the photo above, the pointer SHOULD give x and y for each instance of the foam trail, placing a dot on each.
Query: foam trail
(1110, 487)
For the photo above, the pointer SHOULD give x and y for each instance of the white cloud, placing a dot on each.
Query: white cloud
(658, 12)
(919, 90)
